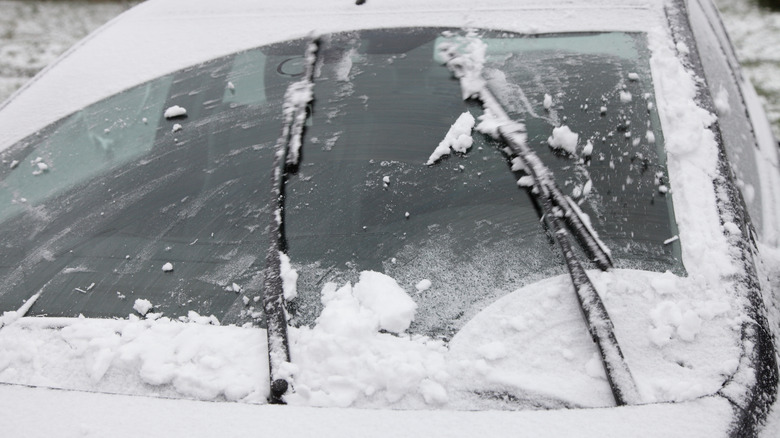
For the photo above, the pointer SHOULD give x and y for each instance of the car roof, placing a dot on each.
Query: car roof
(161, 36)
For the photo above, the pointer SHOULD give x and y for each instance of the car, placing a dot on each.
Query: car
(395, 218)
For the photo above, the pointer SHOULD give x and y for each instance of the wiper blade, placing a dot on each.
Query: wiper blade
(599, 323)
(297, 98)
(555, 205)
(514, 136)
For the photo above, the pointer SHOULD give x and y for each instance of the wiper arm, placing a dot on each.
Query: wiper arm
(600, 326)
(297, 98)
(514, 136)
(555, 205)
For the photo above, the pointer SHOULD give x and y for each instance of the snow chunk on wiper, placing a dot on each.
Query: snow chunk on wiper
(465, 58)
(458, 138)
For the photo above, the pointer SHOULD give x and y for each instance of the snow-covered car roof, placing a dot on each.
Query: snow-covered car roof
(693, 335)
(158, 37)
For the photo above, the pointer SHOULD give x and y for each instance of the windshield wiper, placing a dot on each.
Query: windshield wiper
(599, 323)
(555, 206)
(296, 101)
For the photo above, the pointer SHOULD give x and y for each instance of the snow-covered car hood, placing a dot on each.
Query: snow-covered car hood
(681, 340)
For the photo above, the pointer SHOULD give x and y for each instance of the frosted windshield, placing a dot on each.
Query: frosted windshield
(123, 191)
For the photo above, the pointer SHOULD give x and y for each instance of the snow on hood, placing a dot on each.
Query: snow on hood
(162, 36)
(682, 342)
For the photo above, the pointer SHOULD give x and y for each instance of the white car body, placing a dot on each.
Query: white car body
(161, 36)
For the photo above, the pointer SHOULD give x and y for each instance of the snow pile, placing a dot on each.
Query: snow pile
(534, 340)
(346, 360)
(191, 358)
(458, 138)
(529, 344)
(692, 154)
(563, 138)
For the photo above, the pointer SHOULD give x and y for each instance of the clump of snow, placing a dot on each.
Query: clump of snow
(174, 111)
(176, 127)
(489, 124)
(383, 296)
(633, 76)
(732, 228)
(168, 267)
(547, 101)
(625, 96)
(563, 138)
(386, 180)
(722, 101)
(493, 350)
(670, 321)
(142, 306)
(345, 359)
(526, 181)
(465, 57)
(423, 285)
(458, 138)
(289, 277)
(588, 149)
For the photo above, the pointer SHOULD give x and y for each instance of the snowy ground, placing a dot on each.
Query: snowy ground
(35, 33)
(756, 34)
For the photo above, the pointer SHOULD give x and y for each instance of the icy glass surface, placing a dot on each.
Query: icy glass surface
(123, 191)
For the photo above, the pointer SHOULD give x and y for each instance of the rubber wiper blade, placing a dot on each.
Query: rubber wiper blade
(595, 313)
(514, 136)
(555, 206)
(295, 109)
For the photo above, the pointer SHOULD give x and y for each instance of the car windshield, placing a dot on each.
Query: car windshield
(96, 205)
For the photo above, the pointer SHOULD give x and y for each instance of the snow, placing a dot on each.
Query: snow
(588, 149)
(289, 278)
(174, 111)
(680, 334)
(382, 295)
(547, 101)
(563, 138)
(531, 340)
(721, 100)
(142, 306)
(526, 181)
(458, 138)
(44, 413)
(423, 285)
(167, 267)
